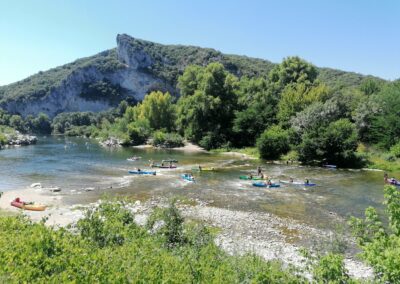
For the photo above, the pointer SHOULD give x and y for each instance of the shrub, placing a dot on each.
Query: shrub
(395, 150)
(167, 140)
(273, 142)
(330, 269)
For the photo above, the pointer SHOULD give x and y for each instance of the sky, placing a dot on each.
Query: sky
(352, 35)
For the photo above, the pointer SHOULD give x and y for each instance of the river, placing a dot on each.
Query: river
(77, 163)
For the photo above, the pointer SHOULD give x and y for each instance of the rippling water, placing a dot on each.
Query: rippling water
(77, 163)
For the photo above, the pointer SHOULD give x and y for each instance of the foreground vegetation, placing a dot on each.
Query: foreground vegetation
(108, 246)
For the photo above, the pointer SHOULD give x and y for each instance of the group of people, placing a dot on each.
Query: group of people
(269, 182)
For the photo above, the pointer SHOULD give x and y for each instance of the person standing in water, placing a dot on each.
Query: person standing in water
(259, 171)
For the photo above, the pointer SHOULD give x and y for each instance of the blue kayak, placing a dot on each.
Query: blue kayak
(143, 173)
(298, 183)
(263, 184)
(187, 177)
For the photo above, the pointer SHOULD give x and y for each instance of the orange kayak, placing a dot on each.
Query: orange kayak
(27, 206)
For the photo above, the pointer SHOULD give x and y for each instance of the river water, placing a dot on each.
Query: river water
(77, 163)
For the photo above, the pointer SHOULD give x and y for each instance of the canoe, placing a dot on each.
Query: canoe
(263, 184)
(394, 182)
(163, 167)
(31, 207)
(298, 183)
(253, 178)
(170, 161)
(330, 166)
(142, 172)
(187, 178)
(204, 169)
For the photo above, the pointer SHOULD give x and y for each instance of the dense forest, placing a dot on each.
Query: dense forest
(287, 114)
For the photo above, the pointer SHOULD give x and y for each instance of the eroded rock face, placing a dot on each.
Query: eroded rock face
(133, 77)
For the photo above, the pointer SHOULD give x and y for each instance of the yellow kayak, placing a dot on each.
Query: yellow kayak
(34, 207)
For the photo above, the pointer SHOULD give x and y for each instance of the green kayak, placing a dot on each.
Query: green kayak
(253, 178)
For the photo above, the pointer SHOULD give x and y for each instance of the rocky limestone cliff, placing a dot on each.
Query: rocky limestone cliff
(67, 96)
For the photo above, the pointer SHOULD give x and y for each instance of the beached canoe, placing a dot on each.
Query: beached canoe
(263, 184)
(297, 183)
(248, 178)
(28, 206)
(142, 172)
(187, 177)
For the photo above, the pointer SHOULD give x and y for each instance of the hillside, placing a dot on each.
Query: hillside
(131, 70)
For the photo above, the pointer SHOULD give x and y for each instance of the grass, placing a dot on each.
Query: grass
(378, 159)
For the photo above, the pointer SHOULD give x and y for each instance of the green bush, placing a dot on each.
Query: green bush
(167, 140)
(380, 240)
(330, 269)
(395, 150)
(273, 142)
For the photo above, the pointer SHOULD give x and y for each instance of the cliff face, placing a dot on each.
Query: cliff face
(67, 96)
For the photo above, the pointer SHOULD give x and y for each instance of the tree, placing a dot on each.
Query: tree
(273, 142)
(293, 70)
(384, 127)
(334, 144)
(158, 109)
(370, 87)
(296, 97)
(381, 244)
(258, 102)
(17, 123)
(207, 105)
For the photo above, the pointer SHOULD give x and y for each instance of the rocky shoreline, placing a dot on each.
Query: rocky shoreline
(19, 139)
(239, 232)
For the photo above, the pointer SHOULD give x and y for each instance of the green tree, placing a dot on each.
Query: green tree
(380, 244)
(158, 109)
(384, 127)
(257, 101)
(296, 97)
(208, 104)
(334, 144)
(293, 70)
(273, 142)
(17, 123)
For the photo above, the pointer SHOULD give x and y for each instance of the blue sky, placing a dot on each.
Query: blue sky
(353, 35)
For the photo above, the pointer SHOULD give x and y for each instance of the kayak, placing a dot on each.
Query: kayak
(170, 161)
(187, 178)
(247, 178)
(263, 184)
(143, 172)
(330, 166)
(204, 169)
(298, 183)
(133, 159)
(28, 206)
(393, 182)
(163, 167)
